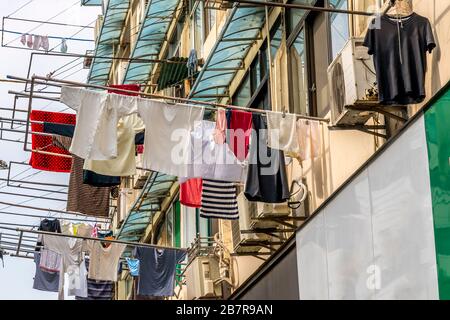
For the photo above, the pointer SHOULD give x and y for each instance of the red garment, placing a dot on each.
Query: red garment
(240, 124)
(140, 148)
(130, 87)
(191, 193)
(44, 143)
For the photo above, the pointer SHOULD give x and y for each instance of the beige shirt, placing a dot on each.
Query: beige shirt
(125, 162)
(104, 262)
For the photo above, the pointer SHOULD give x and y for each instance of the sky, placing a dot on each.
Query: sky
(16, 278)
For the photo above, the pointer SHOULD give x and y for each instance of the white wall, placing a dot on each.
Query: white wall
(375, 239)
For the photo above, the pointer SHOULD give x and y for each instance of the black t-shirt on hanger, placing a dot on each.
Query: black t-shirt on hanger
(399, 48)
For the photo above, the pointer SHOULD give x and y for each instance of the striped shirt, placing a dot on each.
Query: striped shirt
(97, 289)
(219, 200)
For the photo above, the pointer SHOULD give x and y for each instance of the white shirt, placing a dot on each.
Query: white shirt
(167, 129)
(309, 139)
(98, 114)
(125, 163)
(78, 280)
(70, 251)
(209, 160)
(282, 134)
(104, 262)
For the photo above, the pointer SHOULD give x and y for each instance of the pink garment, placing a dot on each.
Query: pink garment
(30, 41)
(37, 42)
(44, 43)
(221, 127)
(309, 139)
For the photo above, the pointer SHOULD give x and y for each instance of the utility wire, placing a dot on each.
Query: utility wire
(39, 25)
(20, 8)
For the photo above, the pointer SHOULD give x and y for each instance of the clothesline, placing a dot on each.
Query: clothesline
(206, 104)
(97, 219)
(52, 37)
(128, 243)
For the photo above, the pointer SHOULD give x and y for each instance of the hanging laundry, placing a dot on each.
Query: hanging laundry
(50, 261)
(70, 250)
(157, 270)
(44, 281)
(103, 234)
(97, 289)
(37, 42)
(167, 135)
(44, 43)
(125, 162)
(140, 149)
(63, 46)
(212, 161)
(78, 282)
(104, 262)
(44, 143)
(139, 138)
(65, 130)
(23, 39)
(221, 126)
(82, 197)
(133, 265)
(399, 48)
(266, 180)
(219, 200)
(30, 41)
(172, 74)
(48, 226)
(239, 125)
(191, 193)
(98, 180)
(98, 114)
(192, 63)
(77, 229)
(1, 255)
(309, 139)
(282, 133)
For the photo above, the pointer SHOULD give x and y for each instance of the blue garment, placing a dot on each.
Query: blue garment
(133, 265)
(65, 130)
(44, 281)
(99, 180)
(192, 63)
(157, 270)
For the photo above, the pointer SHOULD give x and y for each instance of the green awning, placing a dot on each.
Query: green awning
(109, 37)
(91, 2)
(148, 203)
(172, 73)
(242, 29)
(152, 35)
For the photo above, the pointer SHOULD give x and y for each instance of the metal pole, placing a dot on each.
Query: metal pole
(53, 210)
(43, 217)
(31, 196)
(50, 22)
(20, 242)
(301, 6)
(206, 104)
(26, 95)
(128, 243)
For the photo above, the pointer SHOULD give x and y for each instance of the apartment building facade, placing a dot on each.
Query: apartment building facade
(270, 58)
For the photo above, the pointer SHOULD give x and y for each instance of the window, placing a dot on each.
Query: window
(210, 20)
(253, 90)
(339, 27)
(295, 16)
(276, 36)
(298, 77)
(197, 29)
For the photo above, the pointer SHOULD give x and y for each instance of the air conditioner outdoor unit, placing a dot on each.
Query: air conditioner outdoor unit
(201, 275)
(246, 242)
(351, 79)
